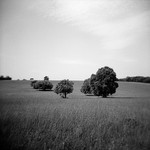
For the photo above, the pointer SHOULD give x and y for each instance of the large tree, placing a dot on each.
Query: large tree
(104, 82)
(64, 87)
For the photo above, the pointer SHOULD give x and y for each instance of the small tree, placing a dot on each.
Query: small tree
(86, 88)
(64, 87)
(44, 85)
(46, 78)
(103, 83)
(5, 78)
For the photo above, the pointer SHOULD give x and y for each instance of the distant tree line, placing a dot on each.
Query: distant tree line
(5, 78)
(136, 79)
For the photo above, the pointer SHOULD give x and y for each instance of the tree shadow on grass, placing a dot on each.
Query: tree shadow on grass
(45, 90)
(113, 97)
(90, 95)
(119, 97)
(128, 97)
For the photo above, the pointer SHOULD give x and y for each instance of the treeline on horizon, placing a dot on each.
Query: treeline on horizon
(136, 79)
(5, 78)
(127, 79)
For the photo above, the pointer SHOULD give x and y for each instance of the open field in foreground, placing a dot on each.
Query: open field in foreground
(32, 119)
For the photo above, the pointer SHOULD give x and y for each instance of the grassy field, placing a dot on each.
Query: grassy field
(42, 120)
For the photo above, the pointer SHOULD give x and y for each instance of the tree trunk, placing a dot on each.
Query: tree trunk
(65, 94)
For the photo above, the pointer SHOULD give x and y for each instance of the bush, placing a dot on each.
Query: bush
(5, 78)
(64, 87)
(44, 85)
(46, 78)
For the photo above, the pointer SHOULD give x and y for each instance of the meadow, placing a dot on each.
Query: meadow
(42, 120)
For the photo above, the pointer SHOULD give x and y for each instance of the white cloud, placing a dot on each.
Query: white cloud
(117, 22)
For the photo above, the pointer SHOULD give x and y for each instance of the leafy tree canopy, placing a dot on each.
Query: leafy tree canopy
(44, 85)
(46, 78)
(64, 87)
(86, 88)
(102, 83)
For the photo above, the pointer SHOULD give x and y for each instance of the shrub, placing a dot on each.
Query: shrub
(5, 78)
(46, 78)
(64, 87)
(44, 85)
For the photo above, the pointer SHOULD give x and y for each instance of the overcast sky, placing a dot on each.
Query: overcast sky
(71, 39)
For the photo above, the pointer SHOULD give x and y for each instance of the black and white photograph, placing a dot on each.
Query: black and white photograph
(75, 74)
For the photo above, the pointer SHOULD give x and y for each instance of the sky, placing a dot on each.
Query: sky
(72, 39)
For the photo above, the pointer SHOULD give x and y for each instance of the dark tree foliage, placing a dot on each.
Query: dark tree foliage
(136, 79)
(33, 82)
(64, 87)
(146, 80)
(92, 83)
(46, 78)
(103, 82)
(5, 78)
(44, 85)
(86, 88)
(35, 85)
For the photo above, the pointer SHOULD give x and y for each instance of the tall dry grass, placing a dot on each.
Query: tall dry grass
(42, 120)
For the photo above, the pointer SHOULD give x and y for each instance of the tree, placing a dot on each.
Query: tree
(33, 82)
(44, 85)
(86, 88)
(64, 87)
(5, 78)
(146, 80)
(46, 78)
(128, 79)
(103, 82)
(8, 78)
(2, 77)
